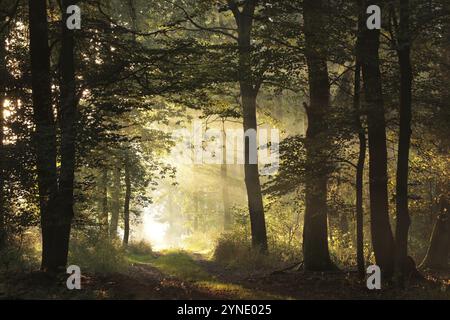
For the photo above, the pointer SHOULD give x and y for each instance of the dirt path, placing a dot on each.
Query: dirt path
(214, 281)
(144, 282)
(190, 276)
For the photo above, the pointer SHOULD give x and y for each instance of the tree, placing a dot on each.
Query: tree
(115, 199)
(406, 78)
(45, 130)
(126, 209)
(56, 199)
(3, 88)
(68, 118)
(382, 239)
(103, 190)
(249, 87)
(315, 229)
(359, 179)
(227, 217)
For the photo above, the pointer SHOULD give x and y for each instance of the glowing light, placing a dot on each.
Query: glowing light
(154, 231)
(6, 112)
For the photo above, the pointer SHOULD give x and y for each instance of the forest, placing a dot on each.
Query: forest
(224, 149)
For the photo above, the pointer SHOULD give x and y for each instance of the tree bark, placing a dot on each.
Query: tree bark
(249, 88)
(359, 180)
(406, 77)
(3, 87)
(115, 203)
(359, 177)
(126, 209)
(68, 115)
(104, 226)
(382, 238)
(227, 220)
(315, 229)
(45, 136)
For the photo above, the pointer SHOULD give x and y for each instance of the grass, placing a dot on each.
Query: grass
(137, 258)
(180, 264)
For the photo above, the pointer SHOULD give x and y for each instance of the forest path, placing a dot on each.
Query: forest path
(177, 275)
(185, 275)
(170, 275)
(192, 275)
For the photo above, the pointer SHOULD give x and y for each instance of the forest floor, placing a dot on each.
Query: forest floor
(183, 275)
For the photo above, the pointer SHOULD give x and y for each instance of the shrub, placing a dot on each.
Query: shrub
(97, 255)
(235, 251)
(21, 252)
(140, 248)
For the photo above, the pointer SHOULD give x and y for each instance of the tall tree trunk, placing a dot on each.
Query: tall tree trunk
(115, 203)
(3, 86)
(68, 110)
(104, 227)
(361, 156)
(227, 220)
(126, 209)
(343, 99)
(360, 182)
(438, 253)
(359, 177)
(382, 239)
(249, 88)
(406, 77)
(315, 230)
(45, 137)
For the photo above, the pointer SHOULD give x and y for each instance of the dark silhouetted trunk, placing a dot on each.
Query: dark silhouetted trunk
(439, 250)
(359, 181)
(382, 239)
(315, 230)
(45, 137)
(126, 209)
(68, 115)
(3, 84)
(115, 203)
(249, 90)
(404, 142)
(342, 99)
(104, 226)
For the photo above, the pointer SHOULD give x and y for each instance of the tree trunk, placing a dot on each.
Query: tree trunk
(439, 250)
(382, 239)
(45, 136)
(126, 209)
(3, 86)
(68, 110)
(115, 203)
(361, 156)
(359, 177)
(227, 220)
(315, 230)
(104, 227)
(403, 218)
(249, 88)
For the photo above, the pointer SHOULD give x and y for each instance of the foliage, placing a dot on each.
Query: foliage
(141, 247)
(97, 255)
(21, 253)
